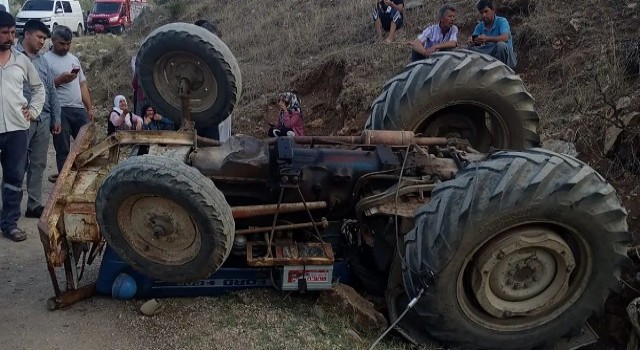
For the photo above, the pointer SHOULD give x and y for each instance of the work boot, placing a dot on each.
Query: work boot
(15, 234)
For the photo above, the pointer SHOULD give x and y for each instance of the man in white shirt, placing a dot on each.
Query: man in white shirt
(71, 85)
(16, 113)
(441, 36)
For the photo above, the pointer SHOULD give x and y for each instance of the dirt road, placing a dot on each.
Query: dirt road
(25, 286)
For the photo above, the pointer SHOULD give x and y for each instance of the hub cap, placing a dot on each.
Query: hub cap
(159, 229)
(172, 67)
(523, 274)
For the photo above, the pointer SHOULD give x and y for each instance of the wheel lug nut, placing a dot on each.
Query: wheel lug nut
(531, 263)
(527, 284)
(500, 256)
(511, 272)
(509, 281)
(516, 286)
(535, 277)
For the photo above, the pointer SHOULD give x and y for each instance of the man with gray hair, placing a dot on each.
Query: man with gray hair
(71, 85)
(441, 36)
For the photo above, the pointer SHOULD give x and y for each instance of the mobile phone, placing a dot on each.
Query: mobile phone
(75, 70)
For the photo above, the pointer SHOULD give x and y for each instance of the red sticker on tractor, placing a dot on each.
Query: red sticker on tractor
(317, 276)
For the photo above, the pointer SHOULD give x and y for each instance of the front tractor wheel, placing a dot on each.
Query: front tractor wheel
(517, 251)
(165, 218)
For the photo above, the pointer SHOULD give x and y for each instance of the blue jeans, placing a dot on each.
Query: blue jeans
(501, 51)
(72, 120)
(13, 157)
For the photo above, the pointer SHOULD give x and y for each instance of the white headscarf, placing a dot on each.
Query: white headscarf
(116, 103)
(116, 107)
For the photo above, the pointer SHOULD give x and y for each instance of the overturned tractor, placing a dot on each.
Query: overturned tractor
(497, 249)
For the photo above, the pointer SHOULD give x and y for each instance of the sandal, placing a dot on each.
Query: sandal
(15, 234)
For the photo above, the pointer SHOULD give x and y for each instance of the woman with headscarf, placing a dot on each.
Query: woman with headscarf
(154, 121)
(121, 118)
(290, 121)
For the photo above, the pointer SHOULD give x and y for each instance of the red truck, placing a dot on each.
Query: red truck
(113, 15)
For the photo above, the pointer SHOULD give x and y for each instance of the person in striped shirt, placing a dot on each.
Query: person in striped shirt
(388, 16)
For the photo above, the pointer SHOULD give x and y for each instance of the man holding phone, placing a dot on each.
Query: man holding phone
(492, 36)
(71, 85)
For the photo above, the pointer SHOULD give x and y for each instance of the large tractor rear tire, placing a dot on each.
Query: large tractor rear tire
(517, 251)
(165, 218)
(460, 94)
(181, 50)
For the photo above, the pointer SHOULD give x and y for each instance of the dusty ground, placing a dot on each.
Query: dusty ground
(25, 287)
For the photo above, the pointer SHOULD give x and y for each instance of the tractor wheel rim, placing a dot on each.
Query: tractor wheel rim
(524, 277)
(159, 229)
(172, 67)
(488, 131)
